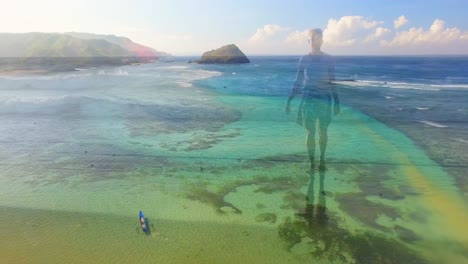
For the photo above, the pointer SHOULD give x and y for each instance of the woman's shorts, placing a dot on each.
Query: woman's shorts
(314, 109)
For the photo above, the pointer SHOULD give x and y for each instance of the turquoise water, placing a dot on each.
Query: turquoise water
(219, 169)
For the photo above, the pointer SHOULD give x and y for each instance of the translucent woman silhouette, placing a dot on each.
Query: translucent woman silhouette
(315, 73)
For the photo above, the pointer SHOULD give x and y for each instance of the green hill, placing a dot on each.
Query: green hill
(126, 43)
(50, 52)
(57, 45)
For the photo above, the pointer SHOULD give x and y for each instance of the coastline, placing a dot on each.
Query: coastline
(18, 66)
(18, 73)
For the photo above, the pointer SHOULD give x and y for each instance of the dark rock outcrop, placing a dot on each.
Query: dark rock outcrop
(229, 54)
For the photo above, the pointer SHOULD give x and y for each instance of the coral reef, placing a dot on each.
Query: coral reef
(266, 217)
(331, 243)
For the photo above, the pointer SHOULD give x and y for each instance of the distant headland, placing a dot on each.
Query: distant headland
(54, 52)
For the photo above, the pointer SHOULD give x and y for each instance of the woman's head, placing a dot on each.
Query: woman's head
(315, 38)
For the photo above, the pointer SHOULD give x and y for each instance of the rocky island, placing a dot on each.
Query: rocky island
(229, 54)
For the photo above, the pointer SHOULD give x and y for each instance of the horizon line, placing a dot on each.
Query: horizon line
(364, 55)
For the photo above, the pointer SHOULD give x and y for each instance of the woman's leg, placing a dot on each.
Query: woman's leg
(311, 145)
(323, 140)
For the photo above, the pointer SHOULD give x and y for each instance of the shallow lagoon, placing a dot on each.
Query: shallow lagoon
(220, 171)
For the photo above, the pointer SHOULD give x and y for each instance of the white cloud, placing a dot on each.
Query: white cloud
(399, 22)
(437, 26)
(297, 37)
(378, 33)
(347, 30)
(360, 35)
(437, 34)
(265, 32)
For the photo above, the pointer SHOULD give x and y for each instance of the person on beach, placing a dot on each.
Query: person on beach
(315, 73)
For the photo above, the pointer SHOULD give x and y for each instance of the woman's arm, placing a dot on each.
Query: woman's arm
(331, 75)
(297, 85)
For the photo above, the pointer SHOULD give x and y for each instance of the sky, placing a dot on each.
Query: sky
(190, 27)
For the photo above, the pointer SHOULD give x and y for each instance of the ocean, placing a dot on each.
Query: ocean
(208, 153)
